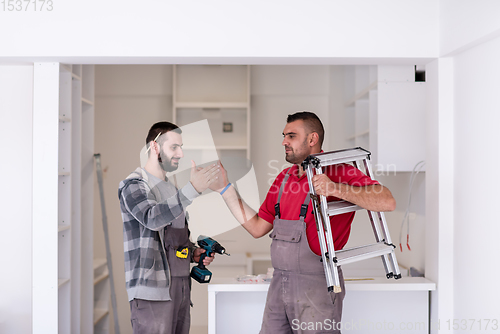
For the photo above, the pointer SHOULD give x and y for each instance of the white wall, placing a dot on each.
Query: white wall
(458, 117)
(476, 228)
(16, 145)
(466, 23)
(182, 31)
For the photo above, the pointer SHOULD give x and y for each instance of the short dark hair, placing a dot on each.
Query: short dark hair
(161, 127)
(311, 121)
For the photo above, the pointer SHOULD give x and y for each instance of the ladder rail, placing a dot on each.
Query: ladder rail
(329, 238)
(375, 226)
(97, 158)
(385, 229)
(329, 274)
(378, 236)
(395, 266)
(389, 271)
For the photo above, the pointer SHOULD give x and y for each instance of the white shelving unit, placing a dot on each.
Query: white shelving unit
(65, 193)
(220, 94)
(75, 197)
(385, 113)
(360, 91)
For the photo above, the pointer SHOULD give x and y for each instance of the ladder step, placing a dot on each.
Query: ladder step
(362, 253)
(340, 207)
(342, 156)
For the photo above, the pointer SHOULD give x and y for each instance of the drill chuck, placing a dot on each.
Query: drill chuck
(219, 249)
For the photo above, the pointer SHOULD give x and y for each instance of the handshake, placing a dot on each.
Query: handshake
(213, 177)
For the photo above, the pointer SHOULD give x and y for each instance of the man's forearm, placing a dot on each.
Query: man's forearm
(244, 214)
(373, 197)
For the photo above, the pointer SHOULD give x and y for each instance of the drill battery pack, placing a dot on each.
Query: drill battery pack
(201, 275)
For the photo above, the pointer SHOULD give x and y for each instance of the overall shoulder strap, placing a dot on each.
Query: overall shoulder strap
(303, 207)
(277, 205)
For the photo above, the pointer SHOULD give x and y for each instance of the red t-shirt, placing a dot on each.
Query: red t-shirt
(295, 192)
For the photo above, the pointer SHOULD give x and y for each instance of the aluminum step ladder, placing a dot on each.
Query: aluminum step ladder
(322, 211)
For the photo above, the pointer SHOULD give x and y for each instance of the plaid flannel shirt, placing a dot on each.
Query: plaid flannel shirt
(147, 273)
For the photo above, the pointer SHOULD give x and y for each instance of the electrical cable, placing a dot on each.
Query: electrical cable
(418, 167)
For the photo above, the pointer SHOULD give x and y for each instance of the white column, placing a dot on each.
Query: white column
(45, 200)
(476, 197)
(16, 147)
(439, 257)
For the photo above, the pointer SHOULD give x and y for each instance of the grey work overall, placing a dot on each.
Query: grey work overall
(168, 317)
(298, 300)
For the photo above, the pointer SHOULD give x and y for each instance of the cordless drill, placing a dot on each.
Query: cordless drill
(200, 273)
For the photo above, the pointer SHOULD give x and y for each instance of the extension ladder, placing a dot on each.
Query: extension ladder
(97, 158)
(322, 211)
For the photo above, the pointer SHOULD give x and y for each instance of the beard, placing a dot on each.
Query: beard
(166, 162)
(296, 157)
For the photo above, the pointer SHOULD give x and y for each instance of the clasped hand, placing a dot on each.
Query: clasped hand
(213, 176)
(202, 178)
(221, 179)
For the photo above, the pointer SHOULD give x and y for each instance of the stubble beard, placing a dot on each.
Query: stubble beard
(166, 163)
(294, 158)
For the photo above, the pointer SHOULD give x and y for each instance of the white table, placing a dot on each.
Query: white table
(378, 305)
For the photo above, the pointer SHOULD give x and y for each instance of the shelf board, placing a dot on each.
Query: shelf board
(62, 281)
(361, 94)
(64, 174)
(64, 119)
(66, 67)
(99, 263)
(99, 314)
(90, 103)
(220, 105)
(364, 133)
(76, 77)
(100, 278)
(236, 147)
(61, 228)
(100, 270)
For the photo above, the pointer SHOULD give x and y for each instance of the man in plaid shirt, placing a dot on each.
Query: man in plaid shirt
(156, 236)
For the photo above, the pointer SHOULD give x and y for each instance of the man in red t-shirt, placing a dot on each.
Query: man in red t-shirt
(297, 295)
